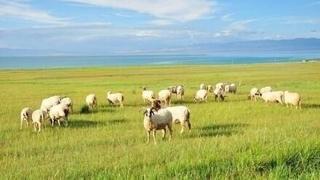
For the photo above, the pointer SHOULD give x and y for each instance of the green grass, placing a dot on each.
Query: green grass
(232, 139)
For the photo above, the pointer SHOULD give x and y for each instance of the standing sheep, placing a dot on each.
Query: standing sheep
(38, 119)
(254, 93)
(115, 98)
(275, 96)
(147, 95)
(68, 102)
(59, 113)
(219, 94)
(91, 101)
(202, 86)
(165, 97)
(178, 90)
(210, 88)
(220, 85)
(201, 95)
(25, 116)
(157, 120)
(47, 103)
(230, 88)
(291, 98)
(180, 114)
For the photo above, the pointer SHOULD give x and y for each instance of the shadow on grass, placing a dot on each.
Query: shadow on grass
(311, 106)
(217, 130)
(89, 124)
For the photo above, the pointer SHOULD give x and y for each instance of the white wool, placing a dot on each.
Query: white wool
(115, 98)
(165, 97)
(180, 114)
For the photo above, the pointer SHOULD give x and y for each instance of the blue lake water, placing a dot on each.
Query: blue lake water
(28, 62)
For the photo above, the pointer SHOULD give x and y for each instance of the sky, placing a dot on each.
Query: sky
(140, 26)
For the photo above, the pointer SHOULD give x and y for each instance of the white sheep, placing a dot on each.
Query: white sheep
(210, 88)
(292, 98)
(47, 103)
(25, 116)
(220, 85)
(219, 93)
(178, 90)
(68, 102)
(147, 95)
(275, 96)
(115, 98)
(254, 93)
(157, 120)
(165, 97)
(202, 86)
(201, 95)
(59, 113)
(91, 101)
(230, 88)
(38, 119)
(265, 89)
(180, 114)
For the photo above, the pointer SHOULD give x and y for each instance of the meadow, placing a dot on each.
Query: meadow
(237, 138)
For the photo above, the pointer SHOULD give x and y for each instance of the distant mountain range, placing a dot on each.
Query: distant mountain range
(254, 48)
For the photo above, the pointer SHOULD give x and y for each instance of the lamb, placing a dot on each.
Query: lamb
(38, 119)
(68, 102)
(59, 113)
(91, 101)
(114, 98)
(47, 103)
(165, 97)
(25, 116)
(219, 94)
(180, 114)
(157, 120)
(291, 98)
(201, 95)
(265, 89)
(254, 92)
(178, 90)
(202, 86)
(147, 95)
(275, 96)
(230, 88)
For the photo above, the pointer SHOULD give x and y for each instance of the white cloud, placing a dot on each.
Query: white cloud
(177, 10)
(234, 28)
(161, 22)
(23, 11)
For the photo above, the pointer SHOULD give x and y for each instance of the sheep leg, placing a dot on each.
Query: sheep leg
(154, 136)
(182, 127)
(39, 125)
(58, 122)
(163, 134)
(35, 127)
(170, 131)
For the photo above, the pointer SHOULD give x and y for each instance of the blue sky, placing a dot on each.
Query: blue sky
(138, 26)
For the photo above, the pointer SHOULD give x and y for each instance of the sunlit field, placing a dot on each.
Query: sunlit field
(237, 138)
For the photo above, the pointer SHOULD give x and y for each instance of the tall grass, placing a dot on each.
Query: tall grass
(232, 139)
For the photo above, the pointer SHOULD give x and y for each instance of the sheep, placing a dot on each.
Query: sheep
(210, 88)
(201, 95)
(202, 86)
(114, 98)
(178, 90)
(157, 120)
(59, 113)
(38, 119)
(180, 114)
(254, 92)
(219, 94)
(147, 95)
(265, 89)
(275, 96)
(156, 104)
(91, 101)
(165, 97)
(47, 103)
(230, 88)
(291, 98)
(220, 85)
(68, 102)
(25, 116)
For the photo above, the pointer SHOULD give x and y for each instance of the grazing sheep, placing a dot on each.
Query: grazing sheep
(265, 89)
(180, 114)
(91, 101)
(203, 86)
(219, 94)
(210, 88)
(68, 102)
(254, 93)
(156, 104)
(114, 98)
(165, 97)
(291, 98)
(47, 103)
(157, 120)
(147, 95)
(220, 85)
(201, 95)
(59, 113)
(38, 119)
(178, 90)
(275, 96)
(230, 88)
(25, 116)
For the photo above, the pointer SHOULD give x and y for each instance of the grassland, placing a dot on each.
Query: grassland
(232, 139)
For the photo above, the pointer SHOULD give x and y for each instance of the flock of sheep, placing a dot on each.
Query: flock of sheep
(160, 115)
